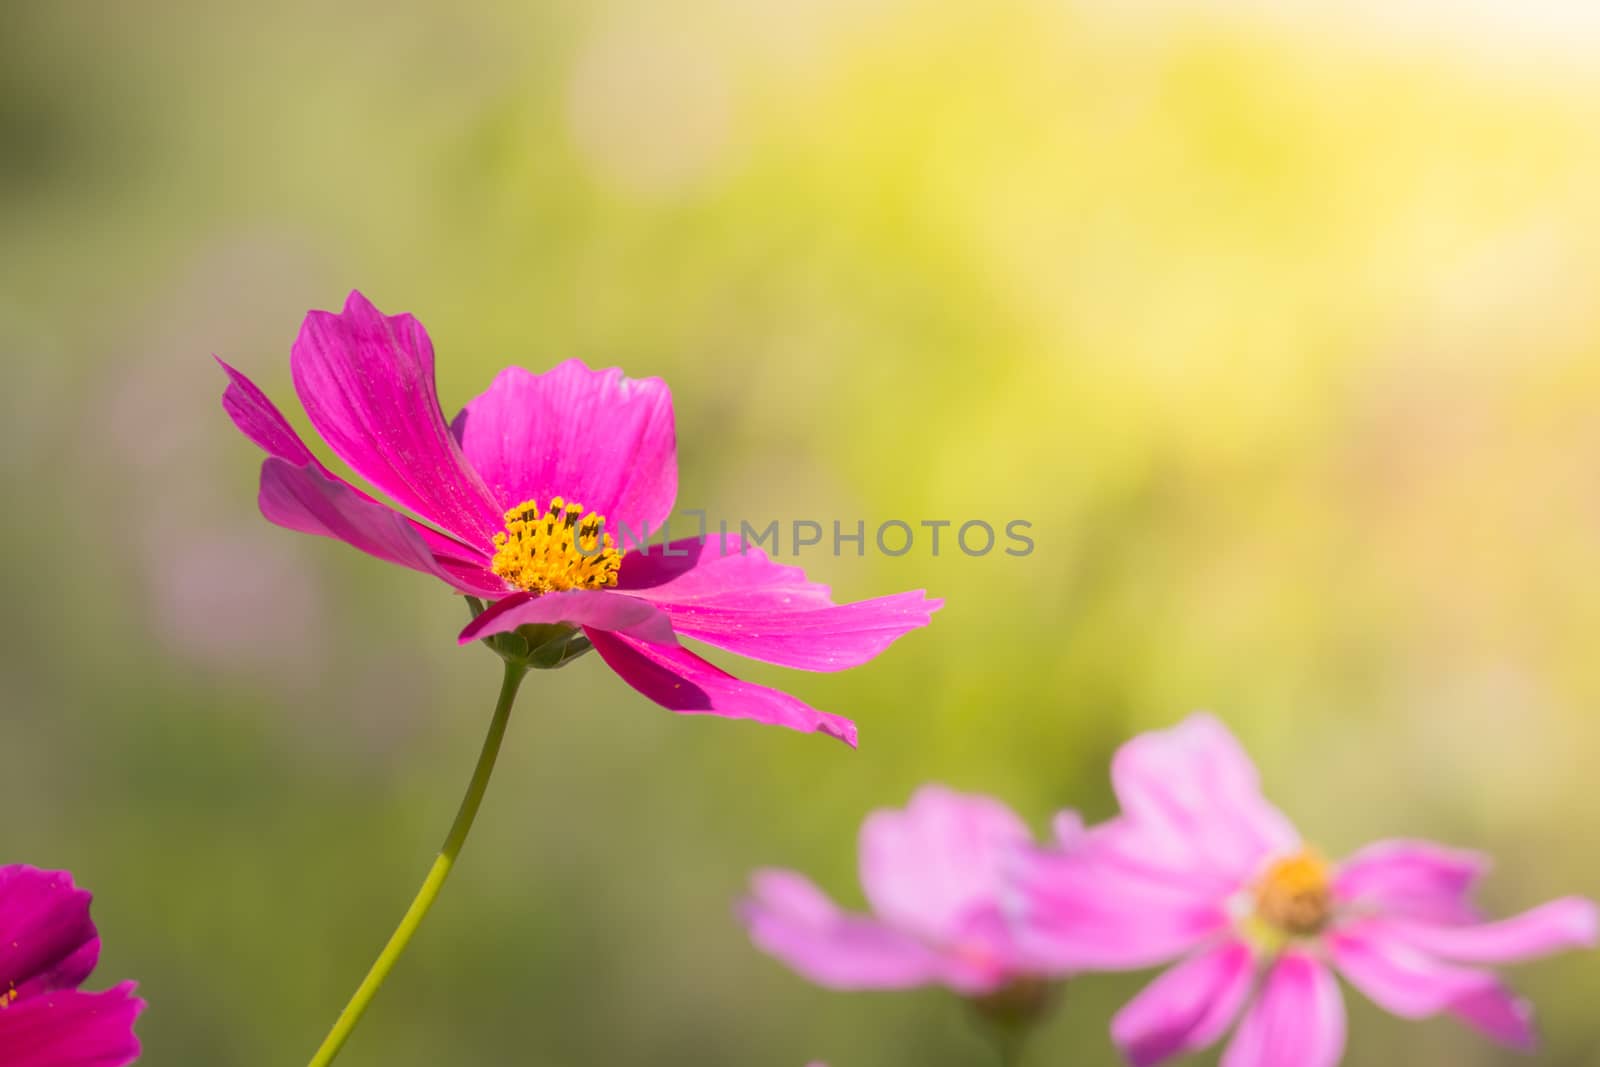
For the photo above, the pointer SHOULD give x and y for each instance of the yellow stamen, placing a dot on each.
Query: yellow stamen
(558, 548)
(1295, 897)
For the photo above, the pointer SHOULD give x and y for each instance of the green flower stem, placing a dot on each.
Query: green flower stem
(431, 885)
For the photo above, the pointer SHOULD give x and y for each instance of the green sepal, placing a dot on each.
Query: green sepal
(535, 646)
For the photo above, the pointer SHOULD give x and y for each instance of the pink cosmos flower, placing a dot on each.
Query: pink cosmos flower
(1200, 868)
(522, 500)
(48, 947)
(934, 875)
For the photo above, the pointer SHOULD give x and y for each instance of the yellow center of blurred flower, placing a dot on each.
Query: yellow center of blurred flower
(554, 549)
(1295, 896)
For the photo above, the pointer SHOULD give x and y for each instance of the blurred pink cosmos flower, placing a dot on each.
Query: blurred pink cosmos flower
(934, 875)
(48, 947)
(496, 494)
(1200, 867)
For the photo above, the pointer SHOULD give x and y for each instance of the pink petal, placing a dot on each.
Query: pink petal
(1558, 926)
(1082, 908)
(681, 681)
(47, 940)
(719, 572)
(1397, 977)
(982, 953)
(731, 595)
(1188, 1008)
(1196, 795)
(926, 869)
(302, 499)
(598, 609)
(592, 436)
(366, 381)
(1296, 1021)
(788, 917)
(1068, 830)
(71, 1029)
(1411, 878)
(1501, 1015)
(259, 420)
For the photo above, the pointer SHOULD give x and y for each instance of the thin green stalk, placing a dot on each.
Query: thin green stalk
(1009, 1045)
(346, 1023)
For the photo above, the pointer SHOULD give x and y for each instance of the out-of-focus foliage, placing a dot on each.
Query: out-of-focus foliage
(1280, 330)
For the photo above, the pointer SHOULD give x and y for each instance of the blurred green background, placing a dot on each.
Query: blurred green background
(1281, 330)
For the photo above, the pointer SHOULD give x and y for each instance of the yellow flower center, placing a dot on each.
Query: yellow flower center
(1295, 896)
(554, 549)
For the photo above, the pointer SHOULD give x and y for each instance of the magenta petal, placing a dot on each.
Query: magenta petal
(928, 868)
(1187, 1008)
(366, 381)
(1418, 879)
(790, 918)
(259, 420)
(1297, 1020)
(1195, 792)
(718, 571)
(1397, 977)
(71, 1029)
(47, 940)
(592, 436)
(681, 681)
(303, 499)
(829, 639)
(1083, 909)
(598, 609)
(1560, 925)
(734, 597)
(1500, 1015)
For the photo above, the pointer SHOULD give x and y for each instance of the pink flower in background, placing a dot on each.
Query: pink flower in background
(48, 947)
(517, 500)
(934, 875)
(1200, 868)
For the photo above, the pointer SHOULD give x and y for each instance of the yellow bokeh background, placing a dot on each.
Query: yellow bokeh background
(1277, 324)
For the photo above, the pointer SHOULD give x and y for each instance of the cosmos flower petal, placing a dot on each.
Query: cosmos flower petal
(47, 940)
(366, 381)
(1297, 1019)
(729, 594)
(1411, 878)
(595, 437)
(1082, 909)
(1409, 983)
(1398, 978)
(71, 1029)
(598, 609)
(1197, 795)
(1187, 1008)
(305, 500)
(790, 918)
(1557, 926)
(259, 419)
(681, 681)
(1067, 829)
(717, 571)
(1500, 1015)
(929, 866)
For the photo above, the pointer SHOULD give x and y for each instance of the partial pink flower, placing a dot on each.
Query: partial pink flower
(935, 876)
(1201, 869)
(48, 947)
(529, 499)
